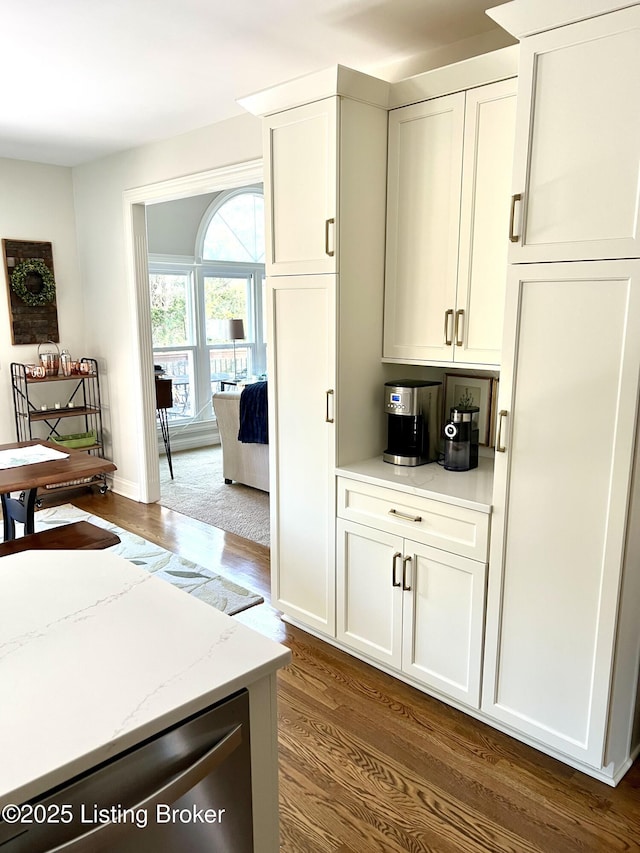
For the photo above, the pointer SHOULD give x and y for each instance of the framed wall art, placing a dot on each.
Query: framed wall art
(31, 291)
(463, 391)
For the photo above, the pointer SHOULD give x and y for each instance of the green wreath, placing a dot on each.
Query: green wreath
(20, 275)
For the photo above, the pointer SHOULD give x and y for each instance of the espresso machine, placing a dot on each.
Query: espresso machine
(461, 439)
(414, 422)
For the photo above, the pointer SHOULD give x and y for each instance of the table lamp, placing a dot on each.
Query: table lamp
(235, 333)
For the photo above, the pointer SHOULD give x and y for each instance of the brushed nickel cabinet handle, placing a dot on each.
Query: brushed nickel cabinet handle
(328, 223)
(514, 199)
(405, 515)
(394, 562)
(500, 448)
(459, 323)
(405, 585)
(448, 340)
(329, 415)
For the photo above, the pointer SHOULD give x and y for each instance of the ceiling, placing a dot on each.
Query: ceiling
(86, 78)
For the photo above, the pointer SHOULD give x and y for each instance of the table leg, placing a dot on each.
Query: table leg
(21, 510)
(164, 428)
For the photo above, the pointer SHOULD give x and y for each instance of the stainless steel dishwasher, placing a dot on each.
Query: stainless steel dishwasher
(186, 789)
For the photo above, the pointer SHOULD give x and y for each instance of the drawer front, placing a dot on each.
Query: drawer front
(441, 525)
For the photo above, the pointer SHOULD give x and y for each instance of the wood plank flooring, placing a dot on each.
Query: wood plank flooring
(370, 765)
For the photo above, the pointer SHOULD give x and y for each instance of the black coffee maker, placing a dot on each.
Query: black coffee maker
(461, 439)
(414, 421)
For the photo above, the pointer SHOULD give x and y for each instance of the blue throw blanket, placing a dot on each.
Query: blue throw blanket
(254, 424)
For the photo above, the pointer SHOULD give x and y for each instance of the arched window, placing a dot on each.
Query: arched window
(236, 230)
(192, 302)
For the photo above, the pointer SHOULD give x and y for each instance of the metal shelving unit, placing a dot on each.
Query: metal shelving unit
(37, 419)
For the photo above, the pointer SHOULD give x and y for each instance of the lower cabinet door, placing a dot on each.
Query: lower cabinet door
(443, 620)
(414, 608)
(369, 606)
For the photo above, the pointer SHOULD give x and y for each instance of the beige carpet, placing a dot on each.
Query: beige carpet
(199, 491)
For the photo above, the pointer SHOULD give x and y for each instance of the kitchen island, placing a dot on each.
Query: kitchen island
(97, 656)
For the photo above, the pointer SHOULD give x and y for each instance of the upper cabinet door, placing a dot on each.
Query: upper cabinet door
(301, 188)
(577, 155)
(489, 130)
(423, 220)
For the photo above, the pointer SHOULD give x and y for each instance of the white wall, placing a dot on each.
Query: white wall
(110, 323)
(172, 226)
(36, 203)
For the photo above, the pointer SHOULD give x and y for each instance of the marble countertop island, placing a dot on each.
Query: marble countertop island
(96, 655)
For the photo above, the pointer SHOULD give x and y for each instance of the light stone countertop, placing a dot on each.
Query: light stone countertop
(96, 655)
(471, 489)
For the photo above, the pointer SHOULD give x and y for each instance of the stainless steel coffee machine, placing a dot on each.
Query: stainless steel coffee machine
(414, 421)
(461, 439)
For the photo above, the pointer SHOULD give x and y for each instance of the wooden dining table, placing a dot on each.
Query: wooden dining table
(76, 465)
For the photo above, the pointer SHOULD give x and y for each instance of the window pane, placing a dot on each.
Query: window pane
(225, 367)
(224, 299)
(178, 366)
(169, 317)
(236, 231)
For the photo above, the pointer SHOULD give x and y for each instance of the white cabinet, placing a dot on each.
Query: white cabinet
(325, 188)
(450, 161)
(405, 604)
(301, 189)
(562, 641)
(577, 164)
(302, 446)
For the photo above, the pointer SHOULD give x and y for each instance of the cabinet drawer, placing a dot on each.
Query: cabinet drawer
(441, 525)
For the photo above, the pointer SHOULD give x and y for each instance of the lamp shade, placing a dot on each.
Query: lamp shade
(235, 330)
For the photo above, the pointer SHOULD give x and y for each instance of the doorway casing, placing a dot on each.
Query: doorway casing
(137, 269)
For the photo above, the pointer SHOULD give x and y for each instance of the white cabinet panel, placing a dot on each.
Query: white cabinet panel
(450, 162)
(302, 447)
(369, 606)
(561, 491)
(489, 130)
(444, 621)
(423, 223)
(578, 142)
(453, 528)
(301, 189)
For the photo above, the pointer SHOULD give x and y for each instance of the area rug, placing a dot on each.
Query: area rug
(199, 491)
(218, 591)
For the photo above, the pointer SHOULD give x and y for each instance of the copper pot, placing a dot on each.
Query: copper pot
(50, 360)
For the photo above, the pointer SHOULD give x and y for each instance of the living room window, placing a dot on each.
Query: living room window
(192, 304)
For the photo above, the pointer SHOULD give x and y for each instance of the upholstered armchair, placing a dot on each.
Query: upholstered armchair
(244, 463)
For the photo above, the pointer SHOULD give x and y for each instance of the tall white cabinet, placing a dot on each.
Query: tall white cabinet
(562, 643)
(325, 144)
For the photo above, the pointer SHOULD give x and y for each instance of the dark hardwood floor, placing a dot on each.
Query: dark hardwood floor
(370, 765)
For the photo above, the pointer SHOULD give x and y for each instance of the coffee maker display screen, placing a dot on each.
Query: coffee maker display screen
(395, 398)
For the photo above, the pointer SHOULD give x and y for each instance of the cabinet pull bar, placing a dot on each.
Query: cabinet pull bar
(500, 447)
(447, 338)
(459, 319)
(328, 223)
(405, 585)
(514, 199)
(394, 562)
(405, 515)
(328, 417)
